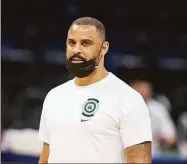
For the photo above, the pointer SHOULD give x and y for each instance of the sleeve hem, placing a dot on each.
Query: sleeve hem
(43, 140)
(137, 142)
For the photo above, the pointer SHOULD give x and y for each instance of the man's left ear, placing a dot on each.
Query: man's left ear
(105, 47)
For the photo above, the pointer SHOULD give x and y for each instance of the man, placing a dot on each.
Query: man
(163, 128)
(95, 117)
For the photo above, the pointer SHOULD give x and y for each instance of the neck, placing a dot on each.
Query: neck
(94, 77)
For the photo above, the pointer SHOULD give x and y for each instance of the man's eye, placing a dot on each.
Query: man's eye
(71, 43)
(86, 43)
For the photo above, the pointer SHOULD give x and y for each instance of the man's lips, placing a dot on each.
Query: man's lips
(74, 61)
(77, 60)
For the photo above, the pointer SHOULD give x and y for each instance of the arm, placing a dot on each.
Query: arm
(44, 133)
(135, 128)
(167, 127)
(139, 153)
(44, 154)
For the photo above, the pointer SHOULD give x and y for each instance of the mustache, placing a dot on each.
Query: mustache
(77, 56)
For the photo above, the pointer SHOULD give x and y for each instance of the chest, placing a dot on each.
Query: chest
(91, 113)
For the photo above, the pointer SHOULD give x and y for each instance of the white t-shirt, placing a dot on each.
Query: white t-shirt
(162, 124)
(114, 116)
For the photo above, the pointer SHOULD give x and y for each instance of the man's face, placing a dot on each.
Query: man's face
(83, 43)
(144, 88)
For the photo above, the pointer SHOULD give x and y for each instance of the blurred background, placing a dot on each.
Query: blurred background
(148, 50)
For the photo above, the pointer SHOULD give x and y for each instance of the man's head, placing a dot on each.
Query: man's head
(143, 87)
(86, 43)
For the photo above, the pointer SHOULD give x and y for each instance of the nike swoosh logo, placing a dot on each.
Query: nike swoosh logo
(83, 120)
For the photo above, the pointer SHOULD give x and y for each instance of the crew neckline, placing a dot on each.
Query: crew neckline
(100, 82)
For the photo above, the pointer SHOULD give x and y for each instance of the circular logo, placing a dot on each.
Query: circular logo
(90, 107)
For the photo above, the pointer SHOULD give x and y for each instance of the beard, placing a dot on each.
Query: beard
(81, 69)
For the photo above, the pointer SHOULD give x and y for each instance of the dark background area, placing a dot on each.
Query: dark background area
(148, 40)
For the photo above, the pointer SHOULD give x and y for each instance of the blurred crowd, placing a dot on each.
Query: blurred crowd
(166, 135)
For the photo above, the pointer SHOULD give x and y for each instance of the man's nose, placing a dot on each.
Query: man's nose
(77, 49)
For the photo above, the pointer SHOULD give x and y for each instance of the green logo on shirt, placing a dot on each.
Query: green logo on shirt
(90, 107)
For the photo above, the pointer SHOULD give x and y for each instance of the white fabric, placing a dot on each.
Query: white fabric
(162, 124)
(122, 120)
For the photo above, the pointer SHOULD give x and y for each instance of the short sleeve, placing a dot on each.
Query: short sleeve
(43, 130)
(135, 123)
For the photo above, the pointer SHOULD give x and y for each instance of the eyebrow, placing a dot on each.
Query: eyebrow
(88, 40)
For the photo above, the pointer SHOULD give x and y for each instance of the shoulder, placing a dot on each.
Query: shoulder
(126, 92)
(154, 104)
(59, 90)
(130, 101)
(157, 108)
